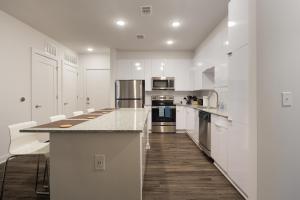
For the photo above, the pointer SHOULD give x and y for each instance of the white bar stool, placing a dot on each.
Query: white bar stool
(57, 118)
(76, 113)
(90, 110)
(24, 144)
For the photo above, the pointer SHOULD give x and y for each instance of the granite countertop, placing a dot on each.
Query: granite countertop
(209, 110)
(122, 120)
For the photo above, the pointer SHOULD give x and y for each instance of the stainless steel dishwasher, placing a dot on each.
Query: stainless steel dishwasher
(205, 132)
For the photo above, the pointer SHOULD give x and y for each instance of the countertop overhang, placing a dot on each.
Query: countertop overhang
(124, 120)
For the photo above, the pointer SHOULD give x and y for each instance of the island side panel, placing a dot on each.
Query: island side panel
(72, 172)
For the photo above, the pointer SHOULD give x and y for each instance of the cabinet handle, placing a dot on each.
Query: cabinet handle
(38, 106)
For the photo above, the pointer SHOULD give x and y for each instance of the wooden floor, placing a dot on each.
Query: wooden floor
(176, 170)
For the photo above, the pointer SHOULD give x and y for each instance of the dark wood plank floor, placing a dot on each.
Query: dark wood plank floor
(176, 170)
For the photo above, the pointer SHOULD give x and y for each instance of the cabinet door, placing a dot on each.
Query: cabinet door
(158, 67)
(148, 75)
(221, 75)
(237, 24)
(238, 151)
(138, 69)
(238, 86)
(179, 68)
(124, 70)
(219, 141)
(180, 118)
(198, 79)
(196, 126)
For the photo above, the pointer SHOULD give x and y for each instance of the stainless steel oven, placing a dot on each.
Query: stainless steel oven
(163, 114)
(163, 83)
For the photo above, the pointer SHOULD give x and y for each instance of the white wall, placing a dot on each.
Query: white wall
(278, 47)
(16, 39)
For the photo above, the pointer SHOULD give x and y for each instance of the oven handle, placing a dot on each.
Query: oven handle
(163, 106)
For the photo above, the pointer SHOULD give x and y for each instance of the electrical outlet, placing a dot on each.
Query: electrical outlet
(99, 162)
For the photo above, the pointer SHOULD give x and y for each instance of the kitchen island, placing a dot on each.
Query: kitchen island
(118, 140)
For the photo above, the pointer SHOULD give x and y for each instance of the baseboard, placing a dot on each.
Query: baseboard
(3, 158)
(231, 181)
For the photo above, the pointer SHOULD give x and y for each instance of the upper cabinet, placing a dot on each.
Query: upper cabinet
(237, 24)
(138, 69)
(124, 70)
(158, 67)
(147, 68)
(179, 68)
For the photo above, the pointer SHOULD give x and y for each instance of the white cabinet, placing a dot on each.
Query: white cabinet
(180, 118)
(221, 75)
(198, 78)
(158, 67)
(138, 69)
(238, 110)
(124, 70)
(196, 126)
(192, 124)
(238, 85)
(219, 141)
(238, 151)
(148, 75)
(237, 24)
(179, 68)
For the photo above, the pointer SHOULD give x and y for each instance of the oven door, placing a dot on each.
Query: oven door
(163, 119)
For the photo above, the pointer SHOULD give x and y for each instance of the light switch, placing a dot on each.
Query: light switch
(287, 99)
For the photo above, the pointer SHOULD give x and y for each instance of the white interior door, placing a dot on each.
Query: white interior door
(44, 88)
(69, 85)
(98, 91)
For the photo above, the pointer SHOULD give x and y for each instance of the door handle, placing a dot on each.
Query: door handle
(66, 103)
(38, 106)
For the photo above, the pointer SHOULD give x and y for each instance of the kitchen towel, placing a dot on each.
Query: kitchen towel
(161, 111)
(167, 112)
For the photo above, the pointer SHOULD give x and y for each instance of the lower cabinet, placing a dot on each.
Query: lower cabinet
(180, 118)
(219, 141)
(192, 124)
(238, 154)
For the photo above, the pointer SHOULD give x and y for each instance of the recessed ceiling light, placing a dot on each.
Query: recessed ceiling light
(226, 43)
(120, 22)
(169, 42)
(231, 23)
(200, 64)
(137, 64)
(176, 24)
(90, 49)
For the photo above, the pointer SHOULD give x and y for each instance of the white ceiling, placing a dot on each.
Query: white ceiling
(79, 24)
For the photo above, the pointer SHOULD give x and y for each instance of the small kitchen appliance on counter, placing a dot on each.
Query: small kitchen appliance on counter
(163, 114)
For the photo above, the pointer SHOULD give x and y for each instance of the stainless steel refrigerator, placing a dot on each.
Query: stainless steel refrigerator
(130, 93)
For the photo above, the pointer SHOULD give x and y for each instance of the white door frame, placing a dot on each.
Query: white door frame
(41, 53)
